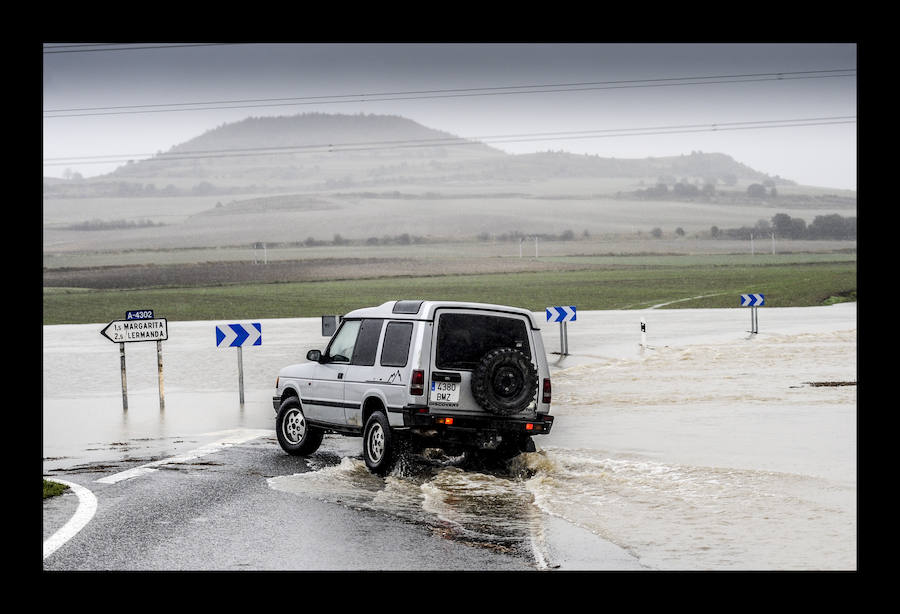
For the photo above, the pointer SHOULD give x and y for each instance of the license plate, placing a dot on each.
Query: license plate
(445, 392)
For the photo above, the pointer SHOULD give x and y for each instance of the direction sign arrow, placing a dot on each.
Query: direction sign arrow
(752, 300)
(561, 314)
(238, 335)
(126, 331)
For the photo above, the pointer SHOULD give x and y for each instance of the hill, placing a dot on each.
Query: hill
(314, 151)
(312, 177)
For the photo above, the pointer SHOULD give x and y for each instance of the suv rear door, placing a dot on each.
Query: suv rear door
(462, 337)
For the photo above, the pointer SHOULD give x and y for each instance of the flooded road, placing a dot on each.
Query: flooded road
(708, 449)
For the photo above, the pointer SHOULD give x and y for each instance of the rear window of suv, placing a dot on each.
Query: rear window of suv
(464, 338)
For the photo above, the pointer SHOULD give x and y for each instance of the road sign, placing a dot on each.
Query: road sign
(238, 335)
(752, 300)
(561, 314)
(329, 325)
(138, 325)
(126, 331)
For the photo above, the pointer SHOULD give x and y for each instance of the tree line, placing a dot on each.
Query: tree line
(834, 227)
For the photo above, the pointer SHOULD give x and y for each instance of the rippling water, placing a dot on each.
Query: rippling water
(666, 516)
(492, 510)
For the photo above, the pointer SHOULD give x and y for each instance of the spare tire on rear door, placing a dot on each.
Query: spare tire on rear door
(504, 382)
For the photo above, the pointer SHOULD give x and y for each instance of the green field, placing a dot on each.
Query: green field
(683, 281)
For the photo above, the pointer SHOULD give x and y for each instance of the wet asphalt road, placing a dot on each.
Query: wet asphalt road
(218, 513)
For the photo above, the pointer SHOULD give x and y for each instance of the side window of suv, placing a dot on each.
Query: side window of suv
(341, 347)
(395, 352)
(367, 343)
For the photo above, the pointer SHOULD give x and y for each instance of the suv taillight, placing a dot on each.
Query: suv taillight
(417, 386)
(546, 396)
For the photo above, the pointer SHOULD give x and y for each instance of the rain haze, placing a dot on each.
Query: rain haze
(123, 102)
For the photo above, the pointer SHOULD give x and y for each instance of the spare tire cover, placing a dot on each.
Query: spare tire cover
(504, 382)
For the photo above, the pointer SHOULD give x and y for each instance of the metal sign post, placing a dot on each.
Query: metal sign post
(162, 397)
(753, 301)
(138, 325)
(124, 379)
(563, 315)
(236, 336)
(240, 355)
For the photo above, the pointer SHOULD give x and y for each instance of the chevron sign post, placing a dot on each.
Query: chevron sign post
(753, 301)
(563, 315)
(237, 336)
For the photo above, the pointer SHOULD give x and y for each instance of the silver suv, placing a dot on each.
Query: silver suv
(421, 374)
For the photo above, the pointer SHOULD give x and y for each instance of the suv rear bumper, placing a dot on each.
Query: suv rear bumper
(423, 418)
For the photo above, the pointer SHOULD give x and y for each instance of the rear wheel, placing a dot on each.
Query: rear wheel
(379, 449)
(511, 447)
(295, 435)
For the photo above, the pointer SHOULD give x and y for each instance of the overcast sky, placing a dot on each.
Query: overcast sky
(587, 89)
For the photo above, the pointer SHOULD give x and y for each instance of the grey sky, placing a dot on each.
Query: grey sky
(813, 155)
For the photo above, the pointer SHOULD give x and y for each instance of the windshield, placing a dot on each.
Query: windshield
(341, 347)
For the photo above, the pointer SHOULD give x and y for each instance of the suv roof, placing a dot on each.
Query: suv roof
(424, 310)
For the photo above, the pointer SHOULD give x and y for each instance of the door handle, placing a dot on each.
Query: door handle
(340, 376)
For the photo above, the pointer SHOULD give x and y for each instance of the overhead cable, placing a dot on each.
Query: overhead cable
(444, 93)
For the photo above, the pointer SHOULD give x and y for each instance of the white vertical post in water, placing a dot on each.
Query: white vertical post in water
(124, 382)
(162, 397)
(241, 373)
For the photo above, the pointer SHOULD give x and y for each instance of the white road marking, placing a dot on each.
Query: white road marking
(239, 436)
(87, 506)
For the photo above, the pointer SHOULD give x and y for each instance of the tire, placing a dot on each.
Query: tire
(295, 435)
(504, 382)
(499, 458)
(379, 449)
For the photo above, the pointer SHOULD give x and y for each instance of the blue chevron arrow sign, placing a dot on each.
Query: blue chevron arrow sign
(561, 314)
(238, 335)
(752, 300)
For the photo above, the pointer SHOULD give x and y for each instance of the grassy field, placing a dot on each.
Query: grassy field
(683, 281)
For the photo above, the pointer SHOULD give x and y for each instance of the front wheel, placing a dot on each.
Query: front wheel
(295, 435)
(378, 444)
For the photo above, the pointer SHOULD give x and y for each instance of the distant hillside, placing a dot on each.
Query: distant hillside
(322, 132)
(298, 148)
(314, 151)
(696, 166)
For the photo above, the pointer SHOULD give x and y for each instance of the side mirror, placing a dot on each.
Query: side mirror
(314, 355)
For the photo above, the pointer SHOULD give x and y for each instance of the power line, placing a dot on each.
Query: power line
(91, 47)
(454, 141)
(446, 93)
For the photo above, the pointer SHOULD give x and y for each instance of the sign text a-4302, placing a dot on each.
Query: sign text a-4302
(126, 331)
